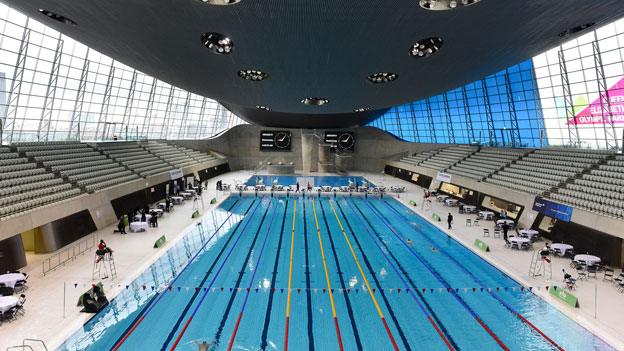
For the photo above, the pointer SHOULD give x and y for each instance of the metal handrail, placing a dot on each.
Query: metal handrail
(24, 346)
(69, 253)
(19, 347)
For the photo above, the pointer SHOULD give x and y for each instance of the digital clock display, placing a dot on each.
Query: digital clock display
(275, 140)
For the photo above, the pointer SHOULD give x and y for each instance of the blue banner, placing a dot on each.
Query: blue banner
(552, 209)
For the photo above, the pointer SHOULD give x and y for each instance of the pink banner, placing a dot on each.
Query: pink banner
(593, 114)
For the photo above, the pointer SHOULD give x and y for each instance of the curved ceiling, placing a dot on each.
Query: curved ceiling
(321, 48)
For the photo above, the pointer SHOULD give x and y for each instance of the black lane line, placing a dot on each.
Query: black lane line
(308, 285)
(140, 315)
(203, 281)
(372, 272)
(342, 283)
(241, 273)
(409, 279)
(267, 314)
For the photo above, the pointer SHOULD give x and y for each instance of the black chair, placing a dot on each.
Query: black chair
(6, 291)
(592, 270)
(608, 274)
(619, 279)
(20, 305)
(9, 315)
(580, 270)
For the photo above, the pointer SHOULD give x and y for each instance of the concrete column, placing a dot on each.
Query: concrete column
(12, 256)
(309, 154)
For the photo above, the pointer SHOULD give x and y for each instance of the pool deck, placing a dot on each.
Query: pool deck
(45, 318)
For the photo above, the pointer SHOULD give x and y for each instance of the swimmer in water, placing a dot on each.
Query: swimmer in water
(409, 242)
(434, 249)
(205, 346)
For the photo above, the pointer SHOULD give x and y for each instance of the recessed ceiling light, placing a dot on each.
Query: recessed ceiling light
(263, 108)
(576, 29)
(361, 109)
(315, 101)
(57, 17)
(441, 5)
(252, 74)
(382, 77)
(221, 2)
(426, 47)
(217, 43)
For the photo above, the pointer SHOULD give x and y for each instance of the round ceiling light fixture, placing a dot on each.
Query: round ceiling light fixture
(576, 29)
(221, 2)
(441, 5)
(57, 17)
(382, 77)
(314, 101)
(361, 109)
(263, 108)
(253, 75)
(217, 43)
(426, 47)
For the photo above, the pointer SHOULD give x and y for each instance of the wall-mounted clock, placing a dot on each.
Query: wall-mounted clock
(275, 140)
(342, 140)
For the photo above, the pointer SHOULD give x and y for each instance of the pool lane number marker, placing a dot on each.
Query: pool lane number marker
(329, 288)
(359, 266)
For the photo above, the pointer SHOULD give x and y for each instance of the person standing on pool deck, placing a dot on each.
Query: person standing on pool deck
(505, 230)
(297, 186)
(449, 219)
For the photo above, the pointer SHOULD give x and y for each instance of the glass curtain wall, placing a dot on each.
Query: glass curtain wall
(570, 96)
(54, 88)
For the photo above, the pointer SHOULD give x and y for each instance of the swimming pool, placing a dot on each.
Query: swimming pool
(326, 274)
(333, 181)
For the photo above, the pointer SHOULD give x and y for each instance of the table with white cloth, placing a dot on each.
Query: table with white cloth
(186, 194)
(397, 189)
(158, 211)
(250, 188)
(470, 208)
(441, 198)
(10, 279)
(519, 241)
(192, 191)
(7, 302)
(509, 222)
(486, 214)
(177, 199)
(240, 187)
(336, 189)
(138, 226)
(260, 187)
(451, 202)
(137, 218)
(326, 188)
(528, 233)
(562, 248)
(589, 260)
(344, 188)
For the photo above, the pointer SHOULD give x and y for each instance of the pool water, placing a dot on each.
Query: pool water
(333, 181)
(277, 273)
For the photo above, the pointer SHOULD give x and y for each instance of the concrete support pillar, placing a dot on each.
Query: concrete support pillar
(12, 256)
(309, 153)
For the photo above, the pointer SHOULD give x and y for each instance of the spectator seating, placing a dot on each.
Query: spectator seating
(545, 169)
(447, 157)
(81, 164)
(135, 157)
(24, 185)
(439, 159)
(171, 154)
(600, 190)
(485, 162)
